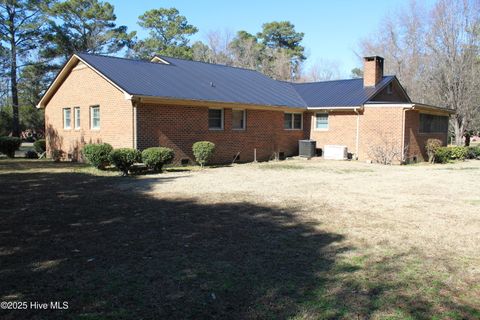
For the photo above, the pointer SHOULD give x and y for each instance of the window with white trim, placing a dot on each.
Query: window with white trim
(321, 121)
(76, 116)
(238, 119)
(292, 121)
(215, 119)
(95, 117)
(67, 118)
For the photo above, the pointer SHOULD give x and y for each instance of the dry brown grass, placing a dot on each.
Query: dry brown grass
(294, 239)
(422, 220)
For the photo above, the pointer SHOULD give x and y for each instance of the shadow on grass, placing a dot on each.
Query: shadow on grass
(116, 254)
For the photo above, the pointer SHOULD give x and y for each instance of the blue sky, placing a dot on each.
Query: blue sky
(332, 28)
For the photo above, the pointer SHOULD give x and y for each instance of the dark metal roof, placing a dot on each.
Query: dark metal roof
(338, 93)
(193, 80)
(184, 79)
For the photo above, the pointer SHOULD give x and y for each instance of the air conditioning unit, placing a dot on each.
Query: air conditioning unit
(335, 152)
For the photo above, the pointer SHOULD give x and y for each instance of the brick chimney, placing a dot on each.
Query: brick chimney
(372, 71)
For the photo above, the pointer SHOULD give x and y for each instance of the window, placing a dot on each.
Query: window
(390, 88)
(238, 119)
(292, 121)
(321, 121)
(430, 123)
(95, 117)
(76, 115)
(67, 118)
(215, 119)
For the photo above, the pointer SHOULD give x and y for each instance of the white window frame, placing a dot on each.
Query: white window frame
(293, 121)
(91, 117)
(328, 121)
(244, 120)
(76, 117)
(223, 119)
(65, 125)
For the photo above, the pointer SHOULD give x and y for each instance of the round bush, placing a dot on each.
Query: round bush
(40, 146)
(97, 154)
(155, 158)
(124, 158)
(8, 145)
(203, 151)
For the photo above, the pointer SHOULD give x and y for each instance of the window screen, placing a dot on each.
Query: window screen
(431, 123)
(321, 121)
(215, 118)
(238, 119)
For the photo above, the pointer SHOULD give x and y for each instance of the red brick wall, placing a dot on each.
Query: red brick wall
(342, 128)
(178, 127)
(83, 88)
(377, 125)
(415, 140)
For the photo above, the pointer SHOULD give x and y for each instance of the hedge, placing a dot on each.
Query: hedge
(446, 154)
(97, 154)
(155, 158)
(8, 145)
(124, 158)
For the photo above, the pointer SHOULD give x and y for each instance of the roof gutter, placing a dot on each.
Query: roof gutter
(211, 103)
(334, 108)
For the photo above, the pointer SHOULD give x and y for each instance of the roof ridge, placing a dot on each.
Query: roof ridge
(169, 57)
(212, 64)
(115, 57)
(314, 82)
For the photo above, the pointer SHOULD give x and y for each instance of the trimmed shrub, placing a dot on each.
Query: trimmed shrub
(155, 158)
(459, 153)
(431, 147)
(40, 146)
(124, 158)
(8, 145)
(97, 154)
(203, 151)
(473, 153)
(30, 154)
(443, 154)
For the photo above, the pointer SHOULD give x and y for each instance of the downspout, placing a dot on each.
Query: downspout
(134, 102)
(403, 129)
(357, 137)
(134, 124)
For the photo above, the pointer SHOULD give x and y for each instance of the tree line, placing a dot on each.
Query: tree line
(434, 51)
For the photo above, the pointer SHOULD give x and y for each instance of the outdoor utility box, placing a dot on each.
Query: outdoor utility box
(335, 152)
(307, 148)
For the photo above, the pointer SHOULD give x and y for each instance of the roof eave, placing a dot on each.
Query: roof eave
(160, 99)
(62, 75)
(427, 107)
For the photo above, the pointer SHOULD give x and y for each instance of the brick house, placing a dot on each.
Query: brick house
(174, 103)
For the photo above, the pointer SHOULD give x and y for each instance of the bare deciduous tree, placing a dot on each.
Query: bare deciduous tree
(387, 149)
(435, 54)
(322, 70)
